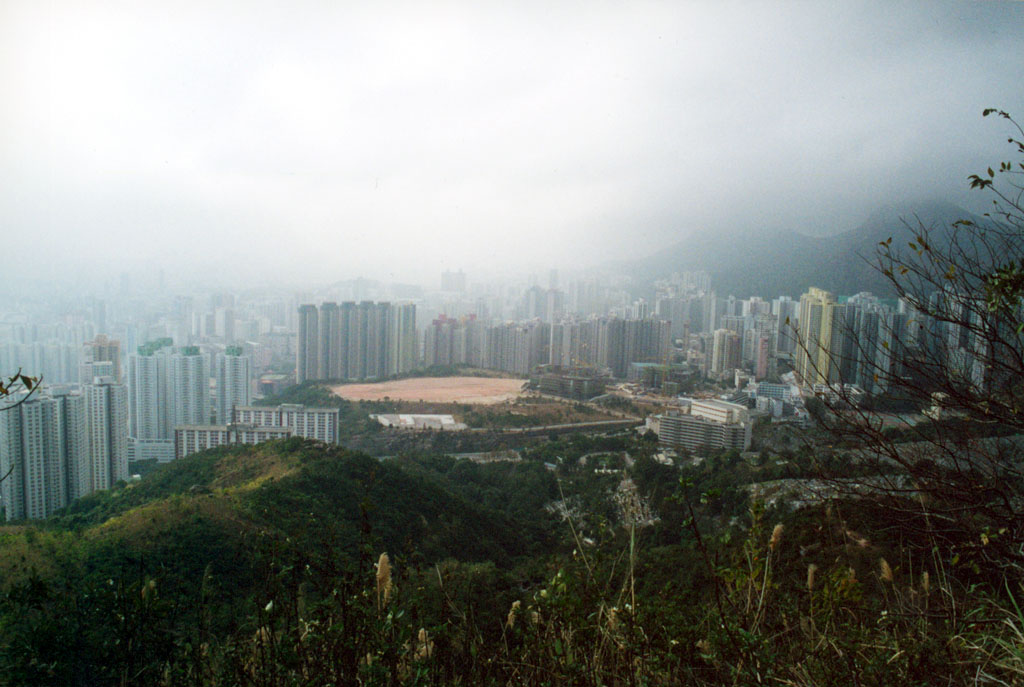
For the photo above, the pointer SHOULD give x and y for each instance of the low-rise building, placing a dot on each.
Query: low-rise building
(578, 387)
(189, 439)
(312, 423)
(413, 421)
(256, 424)
(704, 424)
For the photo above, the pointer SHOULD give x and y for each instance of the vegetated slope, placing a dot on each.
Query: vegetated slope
(146, 573)
(785, 262)
(214, 509)
(718, 591)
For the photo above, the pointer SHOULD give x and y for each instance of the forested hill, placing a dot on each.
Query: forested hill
(305, 492)
(265, 566)
(785, 262)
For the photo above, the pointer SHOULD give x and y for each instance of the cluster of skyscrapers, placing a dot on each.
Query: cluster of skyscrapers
(518, 347)
(515, 347)
(861, 342)
(60, 444)
(355, 341)
(611, 343)
(865, 342)
(169, 387)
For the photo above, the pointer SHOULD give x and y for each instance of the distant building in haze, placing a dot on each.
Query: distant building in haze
(356, 341)
(234, 382)
(453, 281)
(166, 389)
(102, 349)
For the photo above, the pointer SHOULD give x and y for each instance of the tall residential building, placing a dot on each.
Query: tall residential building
(815, 334)
(685, 313)
(165, 389)
(763, 326)
(623, 342)
(60, 445)
(149, 411)
(453, 281)
(610, 342)
(518, 346)
(42, 448)
(328, 347)
(234, 382)
(356, 341)
(308, 351)
(786, 312)
(726, 351)
(376, 347)
(828, 347)
(843, 344)
(188, 393)
(763, 360)
(57, 362)
(403, 352)
(439, 342)
(106, 408)
(542, 304)
(90, 370)
(99, 350)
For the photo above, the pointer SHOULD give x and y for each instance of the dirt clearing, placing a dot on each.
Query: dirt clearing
(479, 390)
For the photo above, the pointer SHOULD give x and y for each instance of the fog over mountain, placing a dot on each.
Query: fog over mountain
(320, 141)
(787, 263)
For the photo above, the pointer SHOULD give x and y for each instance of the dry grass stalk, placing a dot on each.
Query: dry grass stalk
(860, 541)
(925, 583)
(811, 570)
(776, 537)
(510, 622)
(424, 645)
(383, 579)
(886, 571)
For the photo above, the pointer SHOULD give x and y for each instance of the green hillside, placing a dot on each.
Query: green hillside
(263, 566)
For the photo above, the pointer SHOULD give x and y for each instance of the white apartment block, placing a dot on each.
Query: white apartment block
(234, 384)
(705, 424)
(719, 411)
(147, 382)
(192, 439)
(312, 423)
(106, 408)
(256, 424)
(60, 445)
(189, 393)
(34, 456)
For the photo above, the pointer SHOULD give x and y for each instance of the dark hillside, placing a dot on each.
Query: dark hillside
(785, 262)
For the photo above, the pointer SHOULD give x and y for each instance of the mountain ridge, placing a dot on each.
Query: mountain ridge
(779, 262)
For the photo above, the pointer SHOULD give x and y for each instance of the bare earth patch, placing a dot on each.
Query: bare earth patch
(480, 390)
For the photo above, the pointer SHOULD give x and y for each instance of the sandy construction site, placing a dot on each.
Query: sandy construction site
(478, 390)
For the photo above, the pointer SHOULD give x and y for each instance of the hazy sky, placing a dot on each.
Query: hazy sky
(326, 140)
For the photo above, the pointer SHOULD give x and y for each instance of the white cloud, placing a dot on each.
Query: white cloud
(322, 138)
